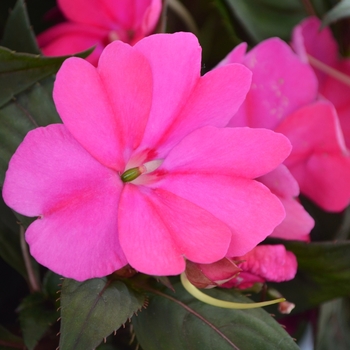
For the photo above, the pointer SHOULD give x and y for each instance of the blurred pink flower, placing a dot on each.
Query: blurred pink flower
(272, 263)
(310, 40)
(97, 23)
(143, 171)
(283, 97)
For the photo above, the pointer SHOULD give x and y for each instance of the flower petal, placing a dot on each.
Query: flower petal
(241, 152)
(75, 197)
(93, 13)
(319, 160)
(100, 116)
(127, 77)
(297, 223)
(175, 228)
(174, 77)
(70, 38)
(265, 263)
(246, 206)
(277, 89)
(214, 100)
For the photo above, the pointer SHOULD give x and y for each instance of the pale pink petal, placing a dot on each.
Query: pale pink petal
(246, 206)
(297, 223)
(75, 197)
(71, 38)
(277, 89)
(173, 77)
(127, 74)
(240, 152)
(281, 182)
(319, 160)
(194, 234)
(93, 12)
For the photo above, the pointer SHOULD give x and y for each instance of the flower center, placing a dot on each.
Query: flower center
(133, 173)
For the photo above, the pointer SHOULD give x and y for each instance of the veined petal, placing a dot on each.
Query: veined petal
(174, 77)
(194, 234)
(276, 89)
(241, 152)
(84, 107)
(53, 177)
(319, 160)
(215, 99)
(246, 206)
(127, 76)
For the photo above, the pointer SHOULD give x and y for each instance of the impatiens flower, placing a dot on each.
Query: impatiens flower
(143, 171)
(272, 263)
(283, 97)
(97, 23)
(310, 42)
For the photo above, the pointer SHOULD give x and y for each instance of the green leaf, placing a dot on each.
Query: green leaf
(333, 330)
(323, 273)
(93, 309)
(18, 34)
(8, 341)
(266, 18)
(10, 248)
(36, 315)
(177, 321)
(341, 10)
(19, 71)
(29, 110)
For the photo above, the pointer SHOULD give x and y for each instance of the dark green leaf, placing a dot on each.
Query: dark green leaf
(8, 341)
(323, 273)
(36, 315)
(177, 321)
(18, 34)
(52, 284)
(19, 71)
(93, 309)
(341, 10)
(29, 110)
(266, 18)
(333, 327)
(10, 249)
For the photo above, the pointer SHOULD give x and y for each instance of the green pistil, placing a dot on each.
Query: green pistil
(131, 174)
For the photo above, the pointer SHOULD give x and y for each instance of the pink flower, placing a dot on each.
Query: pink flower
(97, 23)
(308, 39)
(142, 171)
(283, 97)
(272, 263)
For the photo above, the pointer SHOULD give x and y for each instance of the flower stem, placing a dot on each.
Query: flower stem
(33, 282)
(345, 79)
(221, 303)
